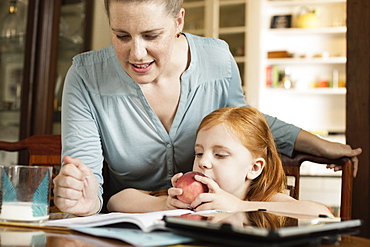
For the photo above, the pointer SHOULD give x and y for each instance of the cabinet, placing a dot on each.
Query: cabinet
(54, 31)
(224, 19)
(313, 57)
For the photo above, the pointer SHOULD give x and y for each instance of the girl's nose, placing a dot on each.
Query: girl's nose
(205, 164)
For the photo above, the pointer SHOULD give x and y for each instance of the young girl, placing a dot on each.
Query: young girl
(237, 153)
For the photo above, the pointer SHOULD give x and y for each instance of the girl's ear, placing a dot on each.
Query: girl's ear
(256, 168)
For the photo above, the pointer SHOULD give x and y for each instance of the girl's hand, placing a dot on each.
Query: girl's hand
(172, 202)
(175, 178)
(216, 198)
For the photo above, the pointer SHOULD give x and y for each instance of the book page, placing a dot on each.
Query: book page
(145, 221)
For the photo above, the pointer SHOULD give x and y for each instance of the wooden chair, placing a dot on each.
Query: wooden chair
(292, 168)
(43, 150)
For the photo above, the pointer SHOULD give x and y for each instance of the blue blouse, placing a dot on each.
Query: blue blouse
(105, 116)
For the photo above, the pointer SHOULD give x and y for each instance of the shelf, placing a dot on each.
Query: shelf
(197, 4)
(231, 2)
(303, 2)
(231, 30)
(239, 59)
(199, 32)
(66, 2)
(322, 175)
(320, 30)
(10, 111)
(297, 61)
(315, 91)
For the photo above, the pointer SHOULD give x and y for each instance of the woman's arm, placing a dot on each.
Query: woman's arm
(136, 201)
(312, 144)
(139, 201)
(80, 134)
(282, 203)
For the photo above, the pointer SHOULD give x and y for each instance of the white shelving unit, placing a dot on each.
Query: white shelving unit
(317, 58)
(318, 55)
(303, 61)
(315, 54)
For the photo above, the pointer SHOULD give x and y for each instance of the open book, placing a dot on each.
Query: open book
(147, 222)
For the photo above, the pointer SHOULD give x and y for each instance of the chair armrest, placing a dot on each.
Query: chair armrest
(292, 165)
(299, 157)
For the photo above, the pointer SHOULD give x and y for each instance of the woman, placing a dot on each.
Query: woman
(236, 152)
(137, 104)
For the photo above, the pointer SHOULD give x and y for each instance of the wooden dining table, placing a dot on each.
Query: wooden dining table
(28, 236)
(18, 234)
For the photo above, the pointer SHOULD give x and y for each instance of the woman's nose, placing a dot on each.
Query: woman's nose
(138, 50)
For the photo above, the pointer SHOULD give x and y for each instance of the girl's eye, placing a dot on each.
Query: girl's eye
(198, 155)
(221, 156)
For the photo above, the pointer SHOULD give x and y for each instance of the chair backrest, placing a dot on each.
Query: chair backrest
(292, 166)
(44, 150)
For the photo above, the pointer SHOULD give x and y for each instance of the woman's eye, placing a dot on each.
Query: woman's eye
(122, 37)
(154, 36)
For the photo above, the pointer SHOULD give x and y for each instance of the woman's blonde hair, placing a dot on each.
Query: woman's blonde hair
(250, 127)
(172, 6)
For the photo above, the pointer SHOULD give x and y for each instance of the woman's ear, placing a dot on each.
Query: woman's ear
(256, 168)
(180, 20)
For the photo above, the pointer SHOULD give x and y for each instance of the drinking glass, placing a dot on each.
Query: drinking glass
(25, 192)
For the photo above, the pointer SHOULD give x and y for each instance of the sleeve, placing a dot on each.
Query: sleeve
(284, 134)
(80, 134)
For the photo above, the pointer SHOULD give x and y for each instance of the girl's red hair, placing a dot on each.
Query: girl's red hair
(250, 127)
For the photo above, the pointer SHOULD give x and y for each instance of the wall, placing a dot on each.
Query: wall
(100, 33)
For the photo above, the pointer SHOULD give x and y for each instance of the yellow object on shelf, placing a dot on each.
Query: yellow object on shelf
(307, 18)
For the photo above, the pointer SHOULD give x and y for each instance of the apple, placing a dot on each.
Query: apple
(191, 188)
(193, 217)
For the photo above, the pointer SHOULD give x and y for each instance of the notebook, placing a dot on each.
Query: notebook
(260, 228)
